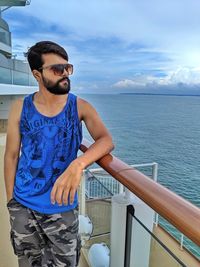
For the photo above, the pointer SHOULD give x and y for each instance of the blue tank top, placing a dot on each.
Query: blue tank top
(48, 146)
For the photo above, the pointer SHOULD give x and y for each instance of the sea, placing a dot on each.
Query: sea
(156, 128)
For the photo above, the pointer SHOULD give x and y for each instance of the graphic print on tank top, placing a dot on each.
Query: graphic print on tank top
(49, 145)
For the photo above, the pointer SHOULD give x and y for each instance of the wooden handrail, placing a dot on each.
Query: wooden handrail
(179, 212)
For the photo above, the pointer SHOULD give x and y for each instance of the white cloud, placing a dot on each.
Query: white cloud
(185, 76)
(126, 83)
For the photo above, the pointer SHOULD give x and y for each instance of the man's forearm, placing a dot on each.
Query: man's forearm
(67, 184)
(100, 148)
(10, 165)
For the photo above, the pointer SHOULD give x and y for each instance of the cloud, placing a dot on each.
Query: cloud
(182, 76)
(128, 84)
(185, 75)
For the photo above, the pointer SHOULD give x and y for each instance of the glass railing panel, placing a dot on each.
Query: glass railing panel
(97, 203)
(99, 189)
(9, 76)
(191, 247)
(32, 80)
(99, 212)
(20, 78)
(5, 37)
(100, 184)
(143, 248)
(147, 170)
(5, 76)
(183, 241)
(95, 215)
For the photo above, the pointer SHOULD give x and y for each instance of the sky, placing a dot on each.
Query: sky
(117, 46)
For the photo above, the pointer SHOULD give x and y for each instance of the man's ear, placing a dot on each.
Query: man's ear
(36, 74)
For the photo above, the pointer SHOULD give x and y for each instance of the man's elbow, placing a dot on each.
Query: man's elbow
(11, 156)
(111, 145)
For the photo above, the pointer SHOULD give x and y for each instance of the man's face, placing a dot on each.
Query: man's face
(54, 83)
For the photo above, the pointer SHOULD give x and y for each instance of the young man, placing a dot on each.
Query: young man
(42, 181)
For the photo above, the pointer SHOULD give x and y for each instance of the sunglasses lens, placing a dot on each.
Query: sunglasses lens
(69, 68)
(58, 69)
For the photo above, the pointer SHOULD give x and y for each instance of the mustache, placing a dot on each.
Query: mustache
(63, 79)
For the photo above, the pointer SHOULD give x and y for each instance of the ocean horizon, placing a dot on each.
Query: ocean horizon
(132, 93)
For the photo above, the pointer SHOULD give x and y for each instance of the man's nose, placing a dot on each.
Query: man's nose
(65, 73)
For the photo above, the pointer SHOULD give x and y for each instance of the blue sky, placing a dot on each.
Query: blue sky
(118, 45)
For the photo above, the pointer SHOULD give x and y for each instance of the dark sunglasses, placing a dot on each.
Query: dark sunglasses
(58, 69)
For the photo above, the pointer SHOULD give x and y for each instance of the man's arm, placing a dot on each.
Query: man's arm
(103, 141)
(13, 142)
(68, 182)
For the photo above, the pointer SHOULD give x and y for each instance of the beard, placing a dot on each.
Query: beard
(57, 88)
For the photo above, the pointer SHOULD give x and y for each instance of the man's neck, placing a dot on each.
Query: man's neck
(43, 96)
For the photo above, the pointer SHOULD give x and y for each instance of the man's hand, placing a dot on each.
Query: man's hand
(9, 198)
(67, 184)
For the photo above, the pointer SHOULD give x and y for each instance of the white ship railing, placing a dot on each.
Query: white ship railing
(177, 211)
(114, 187)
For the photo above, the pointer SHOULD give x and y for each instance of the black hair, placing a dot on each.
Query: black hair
(34, 54)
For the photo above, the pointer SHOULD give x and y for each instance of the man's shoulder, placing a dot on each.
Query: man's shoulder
(83, 107)
(82, 102)
(17, 103)
(16, 108)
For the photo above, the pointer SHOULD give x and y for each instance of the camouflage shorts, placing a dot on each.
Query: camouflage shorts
(47, 240)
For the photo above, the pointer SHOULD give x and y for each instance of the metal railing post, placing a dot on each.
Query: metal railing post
(155, 171)
(82, 194)
(182, 240)
(155, 178)
(121, 188)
